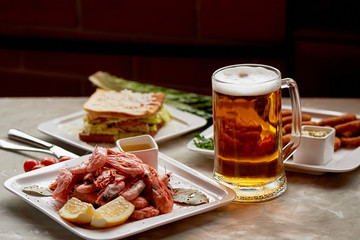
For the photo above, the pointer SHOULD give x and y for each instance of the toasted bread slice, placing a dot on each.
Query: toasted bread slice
(124, 104)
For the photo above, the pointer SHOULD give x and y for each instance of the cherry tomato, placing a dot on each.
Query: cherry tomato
(38, 166)
(63, 159)
(29, 164)
(46, 161)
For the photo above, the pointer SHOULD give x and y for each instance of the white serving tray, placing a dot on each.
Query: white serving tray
(67, 128)
(344, 160)
(182, 176)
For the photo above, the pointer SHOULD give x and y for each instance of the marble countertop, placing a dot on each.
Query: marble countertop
(313, 207)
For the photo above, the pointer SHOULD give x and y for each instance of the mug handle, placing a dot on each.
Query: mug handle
(289, 149)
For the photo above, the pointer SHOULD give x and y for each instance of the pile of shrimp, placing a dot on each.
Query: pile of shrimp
(107, 174)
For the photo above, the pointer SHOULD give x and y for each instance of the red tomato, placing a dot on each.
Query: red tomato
(29, 164)
(46, 161)
(63, 159)
(38, 166)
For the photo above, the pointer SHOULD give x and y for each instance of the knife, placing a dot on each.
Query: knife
(28, 139)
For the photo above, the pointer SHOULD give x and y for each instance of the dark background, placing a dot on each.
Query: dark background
(49, 48)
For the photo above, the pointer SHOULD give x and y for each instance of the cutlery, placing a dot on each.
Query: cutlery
(43, 146)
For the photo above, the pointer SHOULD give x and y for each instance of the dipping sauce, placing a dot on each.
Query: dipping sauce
(312, 133)
(135, 147)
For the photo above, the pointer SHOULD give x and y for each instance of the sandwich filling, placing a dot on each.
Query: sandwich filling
(114, 115)
(123, 127)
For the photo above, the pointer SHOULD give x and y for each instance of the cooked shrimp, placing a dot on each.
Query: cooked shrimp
(146, 212)
(61, 191)
(89, 178)
(160, 195)
(86, 197)
(111, 191)
(97, 159)
(134, 190)
(125, 156)
(165, 178)
(130, 166)
(140, 202)
(80, 168)
(105, 177)
(53, 185)
(87, 188)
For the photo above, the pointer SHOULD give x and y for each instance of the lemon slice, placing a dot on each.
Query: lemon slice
(112, 213)
(77, 211)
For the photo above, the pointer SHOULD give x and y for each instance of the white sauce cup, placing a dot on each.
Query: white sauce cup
(148, 155)
(315, 150)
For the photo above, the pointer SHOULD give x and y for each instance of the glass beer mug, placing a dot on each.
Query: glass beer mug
(248, 154)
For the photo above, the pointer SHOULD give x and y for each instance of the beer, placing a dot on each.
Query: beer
(247, 141)
(247, 131)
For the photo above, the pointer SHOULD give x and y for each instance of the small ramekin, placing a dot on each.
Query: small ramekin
(148, 156)
(315, 150)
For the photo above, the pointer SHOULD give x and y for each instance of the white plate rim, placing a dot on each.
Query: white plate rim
(347, 163)
(191, 122)
(220, 194)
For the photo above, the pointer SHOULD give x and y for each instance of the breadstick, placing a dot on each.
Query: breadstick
(286, 139)
(337, 143)
(351, 141)
(288, 119)
(285, 113)
(287, 127)
(332, 121)
(350, 133)
(352, 125)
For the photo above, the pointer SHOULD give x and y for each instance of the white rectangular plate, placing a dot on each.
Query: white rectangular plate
(67, 128)
(344, 160)
(182, 176)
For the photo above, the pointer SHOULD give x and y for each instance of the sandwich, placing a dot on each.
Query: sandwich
(112, 115)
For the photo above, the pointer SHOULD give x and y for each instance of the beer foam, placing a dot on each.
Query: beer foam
(246, 81)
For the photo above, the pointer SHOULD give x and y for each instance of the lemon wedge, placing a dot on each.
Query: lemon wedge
(77, 211)
(112, 213)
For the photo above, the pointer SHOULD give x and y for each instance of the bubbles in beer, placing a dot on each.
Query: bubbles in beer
(246, 81)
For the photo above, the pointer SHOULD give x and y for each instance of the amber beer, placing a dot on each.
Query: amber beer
(247, 131)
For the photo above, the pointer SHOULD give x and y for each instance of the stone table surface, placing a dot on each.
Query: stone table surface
(313, 207)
